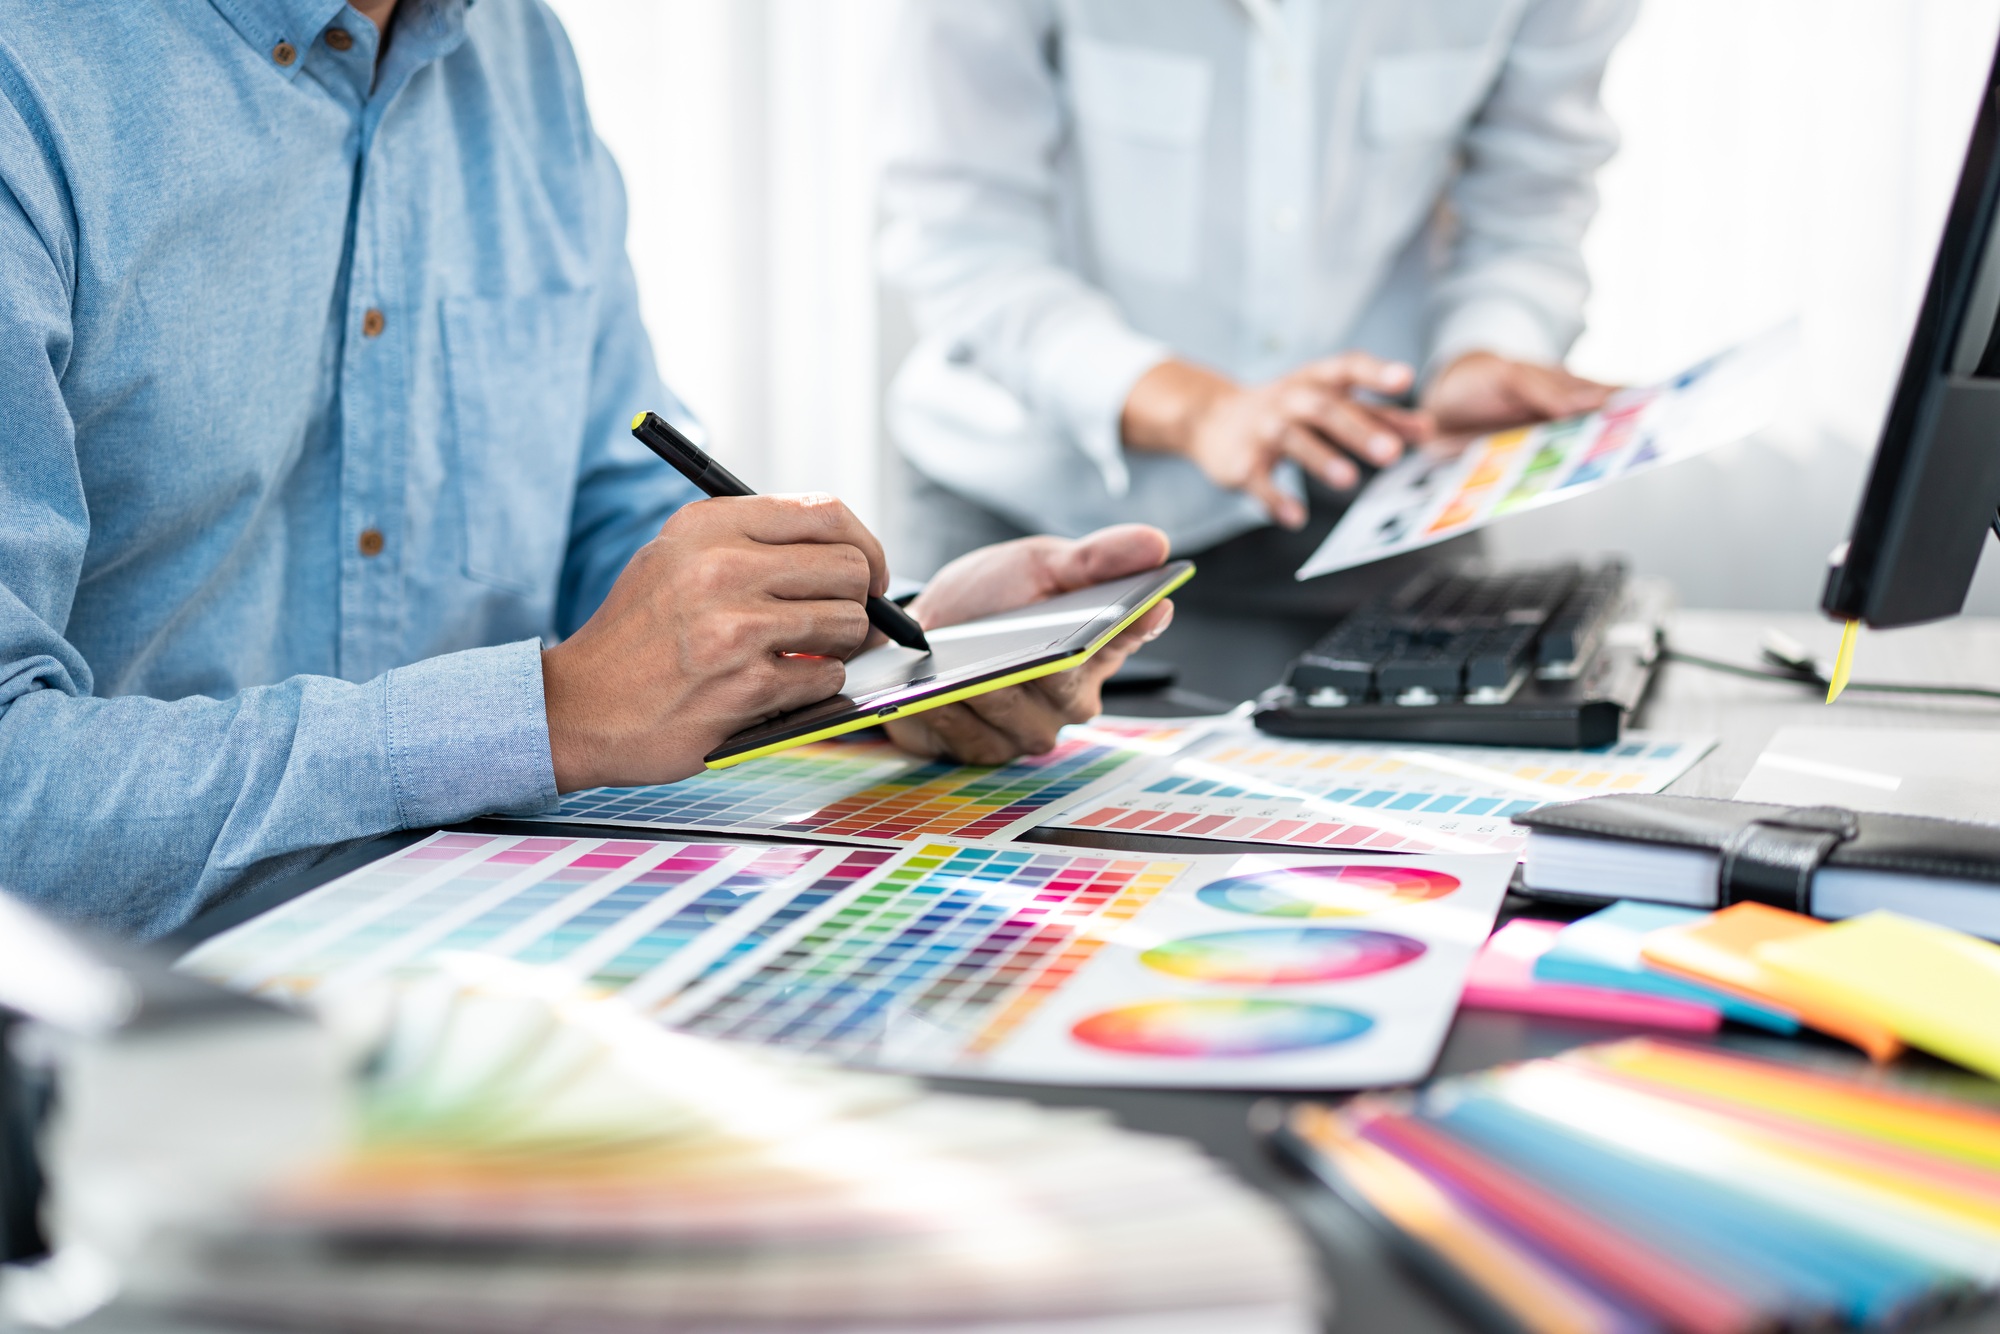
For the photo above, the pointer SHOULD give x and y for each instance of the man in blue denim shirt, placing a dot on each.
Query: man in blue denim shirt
(317, 346)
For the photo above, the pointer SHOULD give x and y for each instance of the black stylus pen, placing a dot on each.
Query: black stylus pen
(688, 459)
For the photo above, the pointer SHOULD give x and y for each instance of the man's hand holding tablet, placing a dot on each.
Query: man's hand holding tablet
(1023, 719)
(745, 607)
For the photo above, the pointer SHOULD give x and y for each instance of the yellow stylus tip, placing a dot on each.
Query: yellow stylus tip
(636, 419)
(1843, 662)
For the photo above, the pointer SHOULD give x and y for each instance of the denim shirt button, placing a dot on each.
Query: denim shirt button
(340, 39)
(284, 53)
(371, 542)
(372, 323)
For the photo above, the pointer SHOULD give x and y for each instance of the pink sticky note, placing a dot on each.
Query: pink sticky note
(1503, 978)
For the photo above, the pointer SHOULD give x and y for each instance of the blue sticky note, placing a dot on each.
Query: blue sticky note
(1602, 950)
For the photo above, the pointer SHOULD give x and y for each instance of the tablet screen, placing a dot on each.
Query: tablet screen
(884, 678)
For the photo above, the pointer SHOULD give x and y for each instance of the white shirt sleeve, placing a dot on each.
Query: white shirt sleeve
(1516, 282)
(971, 233)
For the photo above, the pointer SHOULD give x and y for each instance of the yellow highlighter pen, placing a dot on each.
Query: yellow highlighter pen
(1843, 662)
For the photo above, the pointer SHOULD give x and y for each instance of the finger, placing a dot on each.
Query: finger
(1285, 510)
(962, 735)
(803, 519)
(1076, 690)
(1551, 392)
(1028, 717)
(805, 572)
(1316, 456)
(1359, 430)
(792, 681)
(834, 628)
(1358, 370)
(1108, 553)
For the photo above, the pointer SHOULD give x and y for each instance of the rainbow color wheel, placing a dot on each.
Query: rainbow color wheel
(1219, 1027)
(1277, 957)
(1326, 891)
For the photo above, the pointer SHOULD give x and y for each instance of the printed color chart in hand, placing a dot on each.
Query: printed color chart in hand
(1049, 965)
(871, 792)
(1428, 498)
(1242, 786)
(1006, 962)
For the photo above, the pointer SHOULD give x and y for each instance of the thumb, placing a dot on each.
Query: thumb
(1108, 553)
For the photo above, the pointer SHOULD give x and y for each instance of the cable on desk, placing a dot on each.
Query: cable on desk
(1805, 672)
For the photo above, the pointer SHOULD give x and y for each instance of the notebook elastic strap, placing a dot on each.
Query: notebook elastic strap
(1772, 860)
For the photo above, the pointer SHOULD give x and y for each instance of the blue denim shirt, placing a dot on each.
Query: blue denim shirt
(314, 382)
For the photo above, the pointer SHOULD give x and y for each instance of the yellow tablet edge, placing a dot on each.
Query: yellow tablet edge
(963, 692)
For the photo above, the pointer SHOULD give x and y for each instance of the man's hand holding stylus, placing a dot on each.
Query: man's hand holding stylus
(745, 607)
(739, 609)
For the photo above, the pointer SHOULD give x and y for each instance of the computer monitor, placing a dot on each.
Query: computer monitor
(1934, 488)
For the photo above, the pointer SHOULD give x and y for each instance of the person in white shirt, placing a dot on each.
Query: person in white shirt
(1201, 262)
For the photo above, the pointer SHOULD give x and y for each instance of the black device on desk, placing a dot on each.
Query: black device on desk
(1551, 656)
(1935, 484)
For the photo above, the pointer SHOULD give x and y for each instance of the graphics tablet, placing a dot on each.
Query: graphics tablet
(964, 661)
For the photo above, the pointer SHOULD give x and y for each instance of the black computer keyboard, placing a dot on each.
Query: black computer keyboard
(1551, 656)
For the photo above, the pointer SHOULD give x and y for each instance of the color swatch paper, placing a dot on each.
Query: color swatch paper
(629, 916)
(1017, 962)
(1430, 497)
(1239, 785)
(1048, 965)
(870, 792)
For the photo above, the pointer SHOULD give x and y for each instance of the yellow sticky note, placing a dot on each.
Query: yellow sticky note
(1721, 949)
(1939, 989)
(1843, 662)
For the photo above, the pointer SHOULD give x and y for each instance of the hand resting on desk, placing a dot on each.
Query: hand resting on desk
(745, 607)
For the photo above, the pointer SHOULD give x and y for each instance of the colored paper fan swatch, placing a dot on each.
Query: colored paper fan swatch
(1220, 1027)
(1278, 957)
(1326, 891)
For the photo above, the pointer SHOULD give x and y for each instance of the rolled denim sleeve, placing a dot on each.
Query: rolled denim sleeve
(135, 813)
(1516, 282)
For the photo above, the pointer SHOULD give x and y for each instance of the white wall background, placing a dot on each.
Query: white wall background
(1783, 158)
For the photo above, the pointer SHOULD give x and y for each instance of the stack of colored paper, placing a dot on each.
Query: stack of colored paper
(533, 1159)
(1606, 949)
(1503, 978)
(1645, 1185)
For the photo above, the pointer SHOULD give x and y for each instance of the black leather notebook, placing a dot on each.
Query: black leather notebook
(1707, 853)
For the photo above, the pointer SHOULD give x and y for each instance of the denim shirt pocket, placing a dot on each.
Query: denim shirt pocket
(1421, 97)
(1141, 124)
(518, 369)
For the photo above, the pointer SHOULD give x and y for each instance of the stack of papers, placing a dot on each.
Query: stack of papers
(533, 1158)
(1503, 978)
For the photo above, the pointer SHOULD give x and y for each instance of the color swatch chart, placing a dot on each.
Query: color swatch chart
(639, 918)
(1429, 497)
(1242, 786)
(871, 792)
(1019, 963)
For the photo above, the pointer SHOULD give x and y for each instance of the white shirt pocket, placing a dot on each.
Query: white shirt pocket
(1141, 119)
(1425, 95)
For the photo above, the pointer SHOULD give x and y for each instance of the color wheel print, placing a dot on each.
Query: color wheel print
(1219, 1027)
(1326, 891)
(1278, 957)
